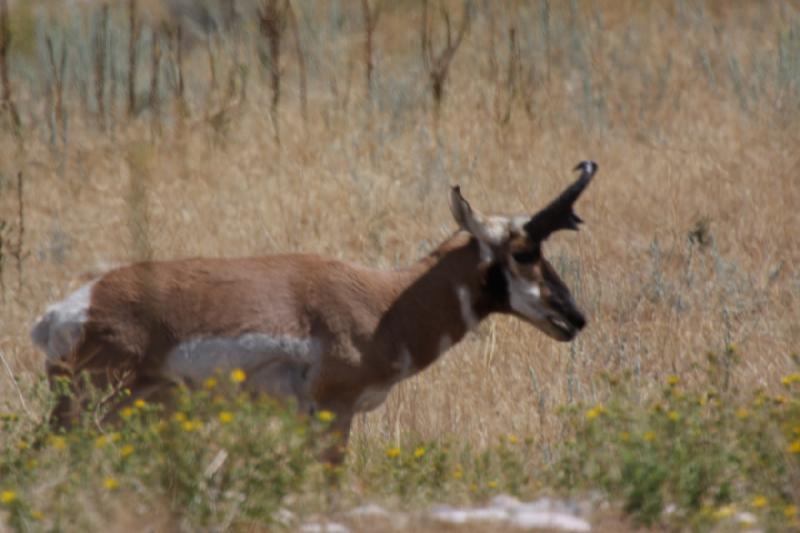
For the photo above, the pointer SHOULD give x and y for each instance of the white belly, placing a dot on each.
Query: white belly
(278, 366)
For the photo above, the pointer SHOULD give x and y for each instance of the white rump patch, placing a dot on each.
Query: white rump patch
(467, 311)
(60, 328)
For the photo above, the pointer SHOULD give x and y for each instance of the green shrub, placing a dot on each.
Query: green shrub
(220, 457)
(704, 454)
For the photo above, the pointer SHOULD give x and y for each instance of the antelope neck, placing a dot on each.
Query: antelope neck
(441, 299)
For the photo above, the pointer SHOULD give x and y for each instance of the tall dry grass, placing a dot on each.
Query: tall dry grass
(690, 242)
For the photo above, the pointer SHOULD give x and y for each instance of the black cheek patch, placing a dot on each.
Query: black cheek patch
(497, 287)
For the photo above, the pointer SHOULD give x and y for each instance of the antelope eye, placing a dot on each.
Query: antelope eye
(525, 257)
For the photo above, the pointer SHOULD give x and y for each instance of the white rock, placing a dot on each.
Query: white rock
(329, 527)
(505, 501)
(370, 509)
(284, 516)
(454, 515)
(529, 519)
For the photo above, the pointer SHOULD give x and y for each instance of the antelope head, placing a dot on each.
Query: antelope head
(513, 265)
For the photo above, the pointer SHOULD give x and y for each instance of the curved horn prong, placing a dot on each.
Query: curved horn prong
(558, 214)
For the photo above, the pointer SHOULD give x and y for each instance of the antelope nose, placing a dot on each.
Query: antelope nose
(577, 319)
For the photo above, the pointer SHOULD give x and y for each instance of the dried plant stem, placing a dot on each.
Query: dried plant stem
(155, 70)
(438, 64)
(17, 251)
(57, 69)
(370, 22)
(8, 105)
(505, 96)
(273, 22)
(100, 54)
(3, 227)
(132, 56)
(14, 384)
(301, 62)
(176, 43)
(212, 66)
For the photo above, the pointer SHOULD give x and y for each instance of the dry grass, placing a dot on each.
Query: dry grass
(622, 83)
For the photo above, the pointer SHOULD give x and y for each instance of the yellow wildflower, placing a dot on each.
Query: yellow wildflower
(126, 450)
(326, 416)
(37, 515)
(726, 511)
(794, 447)
(58, 442)
(512, 439)
(742, 413)
(672, 380)
(790, 511)
(210, 383)
(492, 484)
(126, 413)
(191, 425)
(139, 403)
(179, 417)
(31, 464)
(759, 502)
(100, 442)
(791, 378)
(238, 375)
(22, 445)
(392, 453)
(110, 483)
(458, 473)
(594, 412)
(225, 417)
(649, 436)
(674, 416)
(780, 400)
(419, 452)
(8, 497)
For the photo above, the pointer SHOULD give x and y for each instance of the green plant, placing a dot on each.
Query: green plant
(705, 451)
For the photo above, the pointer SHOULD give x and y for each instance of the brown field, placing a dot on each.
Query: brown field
(691, 238)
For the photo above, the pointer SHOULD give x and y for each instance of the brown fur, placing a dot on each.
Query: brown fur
(363, 317)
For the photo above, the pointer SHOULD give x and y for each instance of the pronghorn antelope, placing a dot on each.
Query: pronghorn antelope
(330, 335)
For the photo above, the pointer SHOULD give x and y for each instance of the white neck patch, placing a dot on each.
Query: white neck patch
(467, 310)
(444, 344)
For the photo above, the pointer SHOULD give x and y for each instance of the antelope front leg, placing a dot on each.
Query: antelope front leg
(338, 435)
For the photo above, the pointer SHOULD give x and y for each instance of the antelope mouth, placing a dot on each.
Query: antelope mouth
(563, 330)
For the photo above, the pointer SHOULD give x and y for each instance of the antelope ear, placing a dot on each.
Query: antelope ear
(472, 221)
(467, 219)
(559, 214)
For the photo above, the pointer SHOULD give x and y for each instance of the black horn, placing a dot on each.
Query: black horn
(559, 214)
